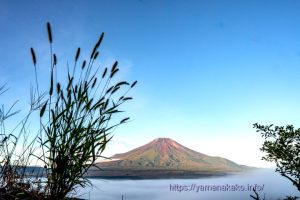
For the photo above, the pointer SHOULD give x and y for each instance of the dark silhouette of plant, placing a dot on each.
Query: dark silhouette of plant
(291, 198)
(282, 146)
(13, 164)
(77, 119)
(256, 197)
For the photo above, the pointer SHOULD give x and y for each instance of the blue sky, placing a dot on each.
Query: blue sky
(207, 70)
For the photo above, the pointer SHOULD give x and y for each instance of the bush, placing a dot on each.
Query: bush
(76, 123)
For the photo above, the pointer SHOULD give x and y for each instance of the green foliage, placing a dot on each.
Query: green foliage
(77, 119)
(282, 146)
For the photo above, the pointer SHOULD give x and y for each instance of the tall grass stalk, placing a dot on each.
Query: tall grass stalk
(76, 120)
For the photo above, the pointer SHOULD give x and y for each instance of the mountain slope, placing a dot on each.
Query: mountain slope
(164, 154)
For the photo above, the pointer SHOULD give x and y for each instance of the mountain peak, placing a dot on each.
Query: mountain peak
(163, 145)
(167, 154)
(162, 139)
(164, 157)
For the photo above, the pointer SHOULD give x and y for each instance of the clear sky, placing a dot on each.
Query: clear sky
(207, 70)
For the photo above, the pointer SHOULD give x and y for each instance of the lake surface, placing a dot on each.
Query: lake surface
(233, 187)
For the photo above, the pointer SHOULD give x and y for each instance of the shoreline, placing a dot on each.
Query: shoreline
(155, 174)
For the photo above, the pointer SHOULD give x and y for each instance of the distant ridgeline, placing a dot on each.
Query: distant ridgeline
(26, 170)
